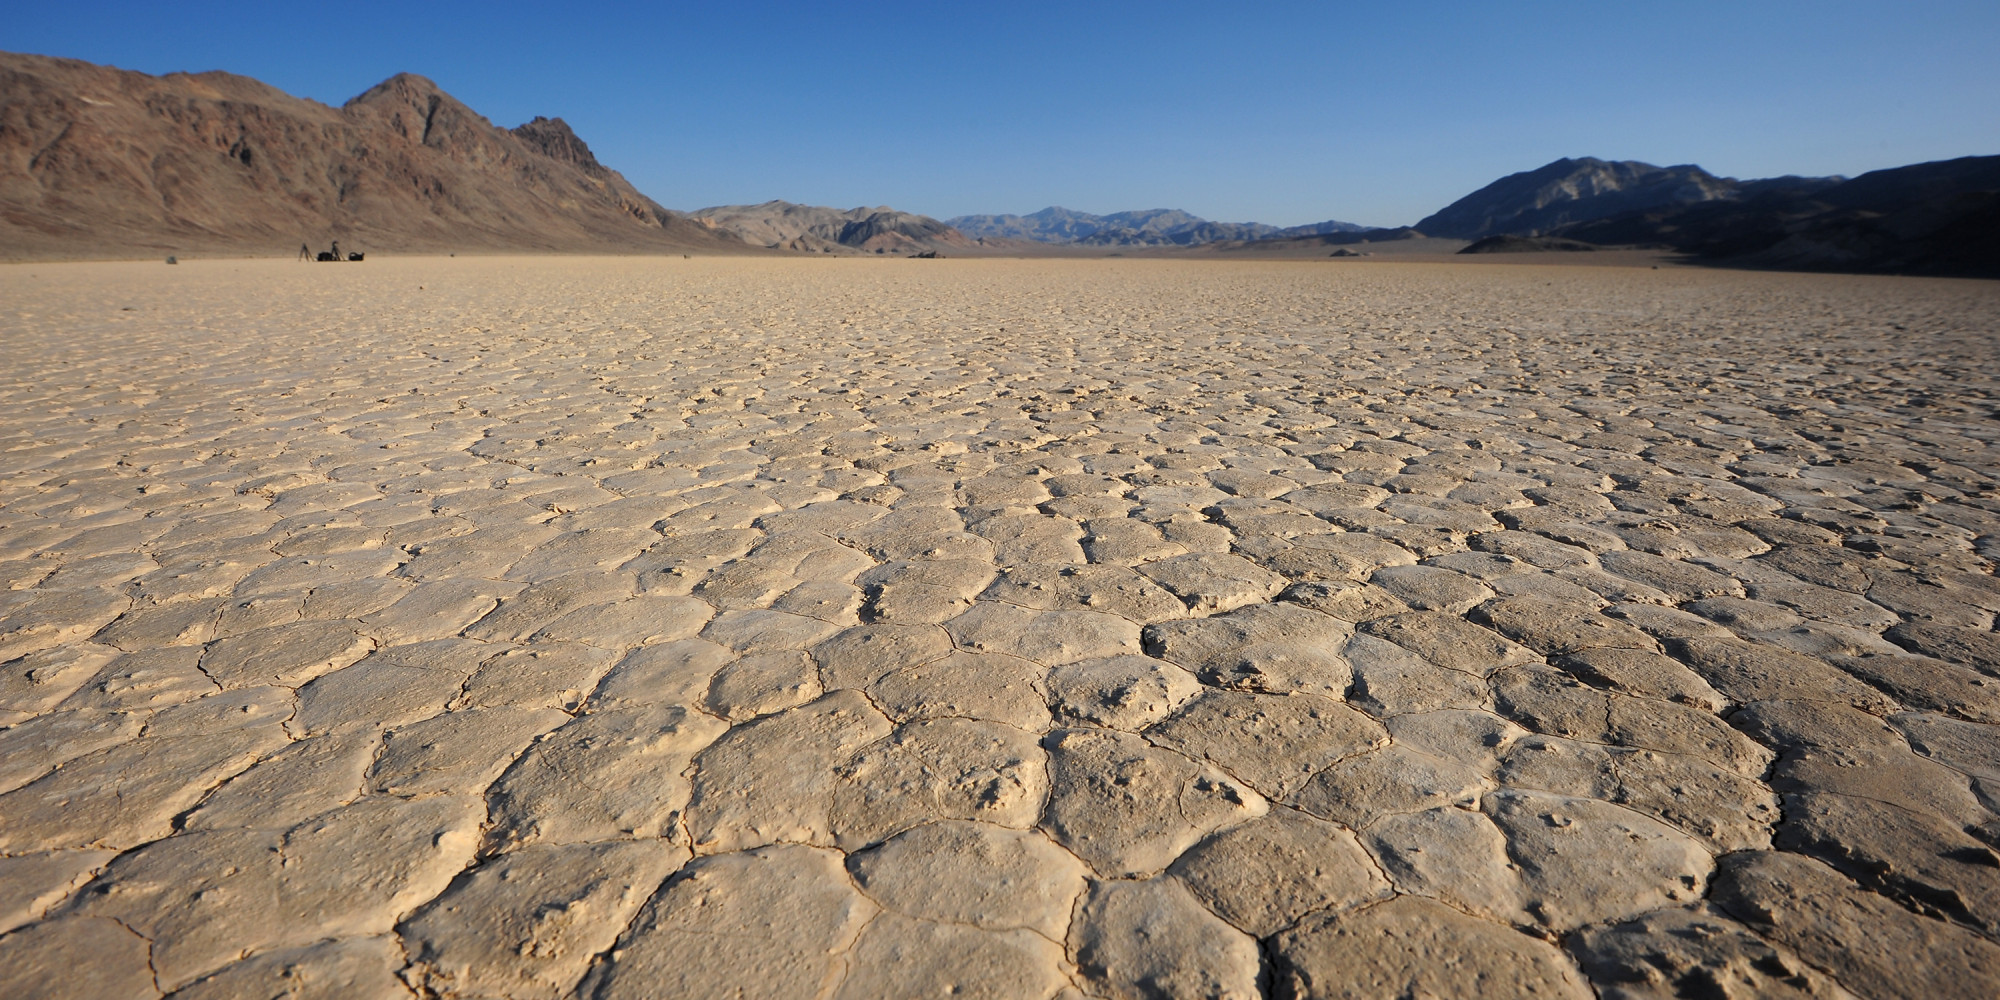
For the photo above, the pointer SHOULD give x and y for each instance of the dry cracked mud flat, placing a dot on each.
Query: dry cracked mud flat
(720, 628)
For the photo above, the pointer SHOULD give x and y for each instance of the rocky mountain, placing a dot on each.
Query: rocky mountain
(1151, 227)
(1927, 218)
(1331, 227)
(1165, 227)
(1571, 191)
(96, 161)
(813, 228)
(1050, 225)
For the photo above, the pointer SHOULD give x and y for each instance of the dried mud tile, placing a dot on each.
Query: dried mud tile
(1107, 589)
(38, 745)
(1212, 583)
(1747, 672)
(955, 871)
(1927, 862)
(76, 958)
(612, 774)
(539, 604)
(203, 899)
(309, 777)
(288, 655)
(1119, 692)
(1558, 840)
(31, 884)
(858, 656)
(1555, 627)
(1430, 588)
(1674, 952)
(1361, 789)
(786, 912)
(1051, 638)
(773, 780)
(988, 686)
(129, 794)
(897, 955)
(456, 752)
(349, 969)
(1265, 875)
(938, 769)
(1129, 808)
(1448, 641)
(530, 923)
(1346, 600)
(1867, 942)
(39, 681)
(556, 675)
(1273, 743)
(1642, 674)
(1135, 940)
(1390, 680)
(1412, 946)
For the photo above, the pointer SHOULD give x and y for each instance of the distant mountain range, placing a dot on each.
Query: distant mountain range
(96, 161)
(814, 229)
(1151, 227)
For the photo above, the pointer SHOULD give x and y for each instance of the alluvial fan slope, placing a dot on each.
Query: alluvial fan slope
(624, 628)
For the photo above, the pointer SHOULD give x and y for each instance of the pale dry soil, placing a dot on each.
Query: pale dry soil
(725, 628)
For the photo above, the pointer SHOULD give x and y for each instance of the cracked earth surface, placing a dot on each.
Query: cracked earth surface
(724, 628)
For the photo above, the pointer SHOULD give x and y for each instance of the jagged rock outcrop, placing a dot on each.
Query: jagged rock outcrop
(558, 141)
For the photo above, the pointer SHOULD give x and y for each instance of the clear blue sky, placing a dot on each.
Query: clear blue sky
(1275, 112)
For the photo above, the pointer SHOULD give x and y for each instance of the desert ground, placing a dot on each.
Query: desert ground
(639, 627)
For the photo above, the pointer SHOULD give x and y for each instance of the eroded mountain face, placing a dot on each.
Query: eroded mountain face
(819, 229)
(96, 161)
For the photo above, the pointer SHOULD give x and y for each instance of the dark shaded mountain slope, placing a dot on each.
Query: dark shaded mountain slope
(1927, 218)
(1570, 191)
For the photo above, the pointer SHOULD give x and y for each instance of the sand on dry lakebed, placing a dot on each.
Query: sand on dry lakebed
(628, 627)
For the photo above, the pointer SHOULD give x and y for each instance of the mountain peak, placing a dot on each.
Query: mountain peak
(1570, 190)
(555, 139)
(419, 109)
(402, 86)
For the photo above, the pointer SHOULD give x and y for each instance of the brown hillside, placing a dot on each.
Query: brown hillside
(818, 229)
(101, 162)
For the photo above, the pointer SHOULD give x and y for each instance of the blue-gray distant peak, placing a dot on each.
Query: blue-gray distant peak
(1146, 227)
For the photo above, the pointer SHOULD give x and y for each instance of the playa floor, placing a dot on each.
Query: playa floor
(626, 627)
